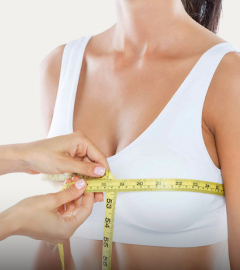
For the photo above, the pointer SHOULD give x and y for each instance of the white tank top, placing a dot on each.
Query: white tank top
(171, 147)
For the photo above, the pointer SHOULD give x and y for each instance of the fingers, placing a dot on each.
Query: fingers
(77, 203)
(83, 156)
(99, 196)
(69, 194)
(85, 209)
(90, 150)
(70, 205)
(61, 209)
(83, 167)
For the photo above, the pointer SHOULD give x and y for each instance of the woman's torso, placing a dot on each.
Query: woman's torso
(87, 254)
(118, 99)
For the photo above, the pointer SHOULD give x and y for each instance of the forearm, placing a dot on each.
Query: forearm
(11, 158)
(7, 224)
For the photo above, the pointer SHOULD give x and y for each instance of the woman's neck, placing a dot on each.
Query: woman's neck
(141, 24)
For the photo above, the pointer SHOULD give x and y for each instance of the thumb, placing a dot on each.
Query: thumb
(71, 193)
(83, 167)
(84, 210)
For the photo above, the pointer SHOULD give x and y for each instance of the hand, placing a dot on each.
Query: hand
(43, 217)
(62, 154)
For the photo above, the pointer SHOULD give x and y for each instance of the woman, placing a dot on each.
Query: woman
(146, 80)
(43, 217)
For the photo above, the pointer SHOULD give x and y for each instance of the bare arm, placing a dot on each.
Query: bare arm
(49, 75)
(10, 159)
(61, 154)
(225, 122)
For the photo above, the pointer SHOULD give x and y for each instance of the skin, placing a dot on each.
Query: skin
(39, 216)
(152, 48)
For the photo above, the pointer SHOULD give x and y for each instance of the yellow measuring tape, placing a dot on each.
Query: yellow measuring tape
(111, 186)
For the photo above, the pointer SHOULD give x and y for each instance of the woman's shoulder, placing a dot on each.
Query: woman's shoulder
(49, 74)
(50, 66)
(49, 69)
(224, 92)
(228, 73)
(49, 77)
(52, 59)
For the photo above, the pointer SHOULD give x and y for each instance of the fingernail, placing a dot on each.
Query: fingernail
(80, 184)
(75, 178)
(99, 171)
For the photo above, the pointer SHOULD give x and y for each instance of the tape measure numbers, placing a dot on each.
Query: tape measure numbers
(112, 186)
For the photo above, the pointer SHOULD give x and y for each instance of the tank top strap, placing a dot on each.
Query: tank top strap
(68, 82)
(203, 72)
(185, 115)
(193, 90)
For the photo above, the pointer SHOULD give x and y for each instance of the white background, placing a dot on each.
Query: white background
(29, 31)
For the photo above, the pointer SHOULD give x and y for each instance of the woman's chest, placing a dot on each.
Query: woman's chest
(116, 105)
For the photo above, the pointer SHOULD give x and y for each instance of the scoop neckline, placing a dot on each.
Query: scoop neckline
(160, 116)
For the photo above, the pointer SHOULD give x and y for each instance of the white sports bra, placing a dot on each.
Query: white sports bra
(171, 147)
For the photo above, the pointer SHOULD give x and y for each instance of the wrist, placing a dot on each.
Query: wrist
(11, 159)
(18, 155)
(8, 224)
(21, 157)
